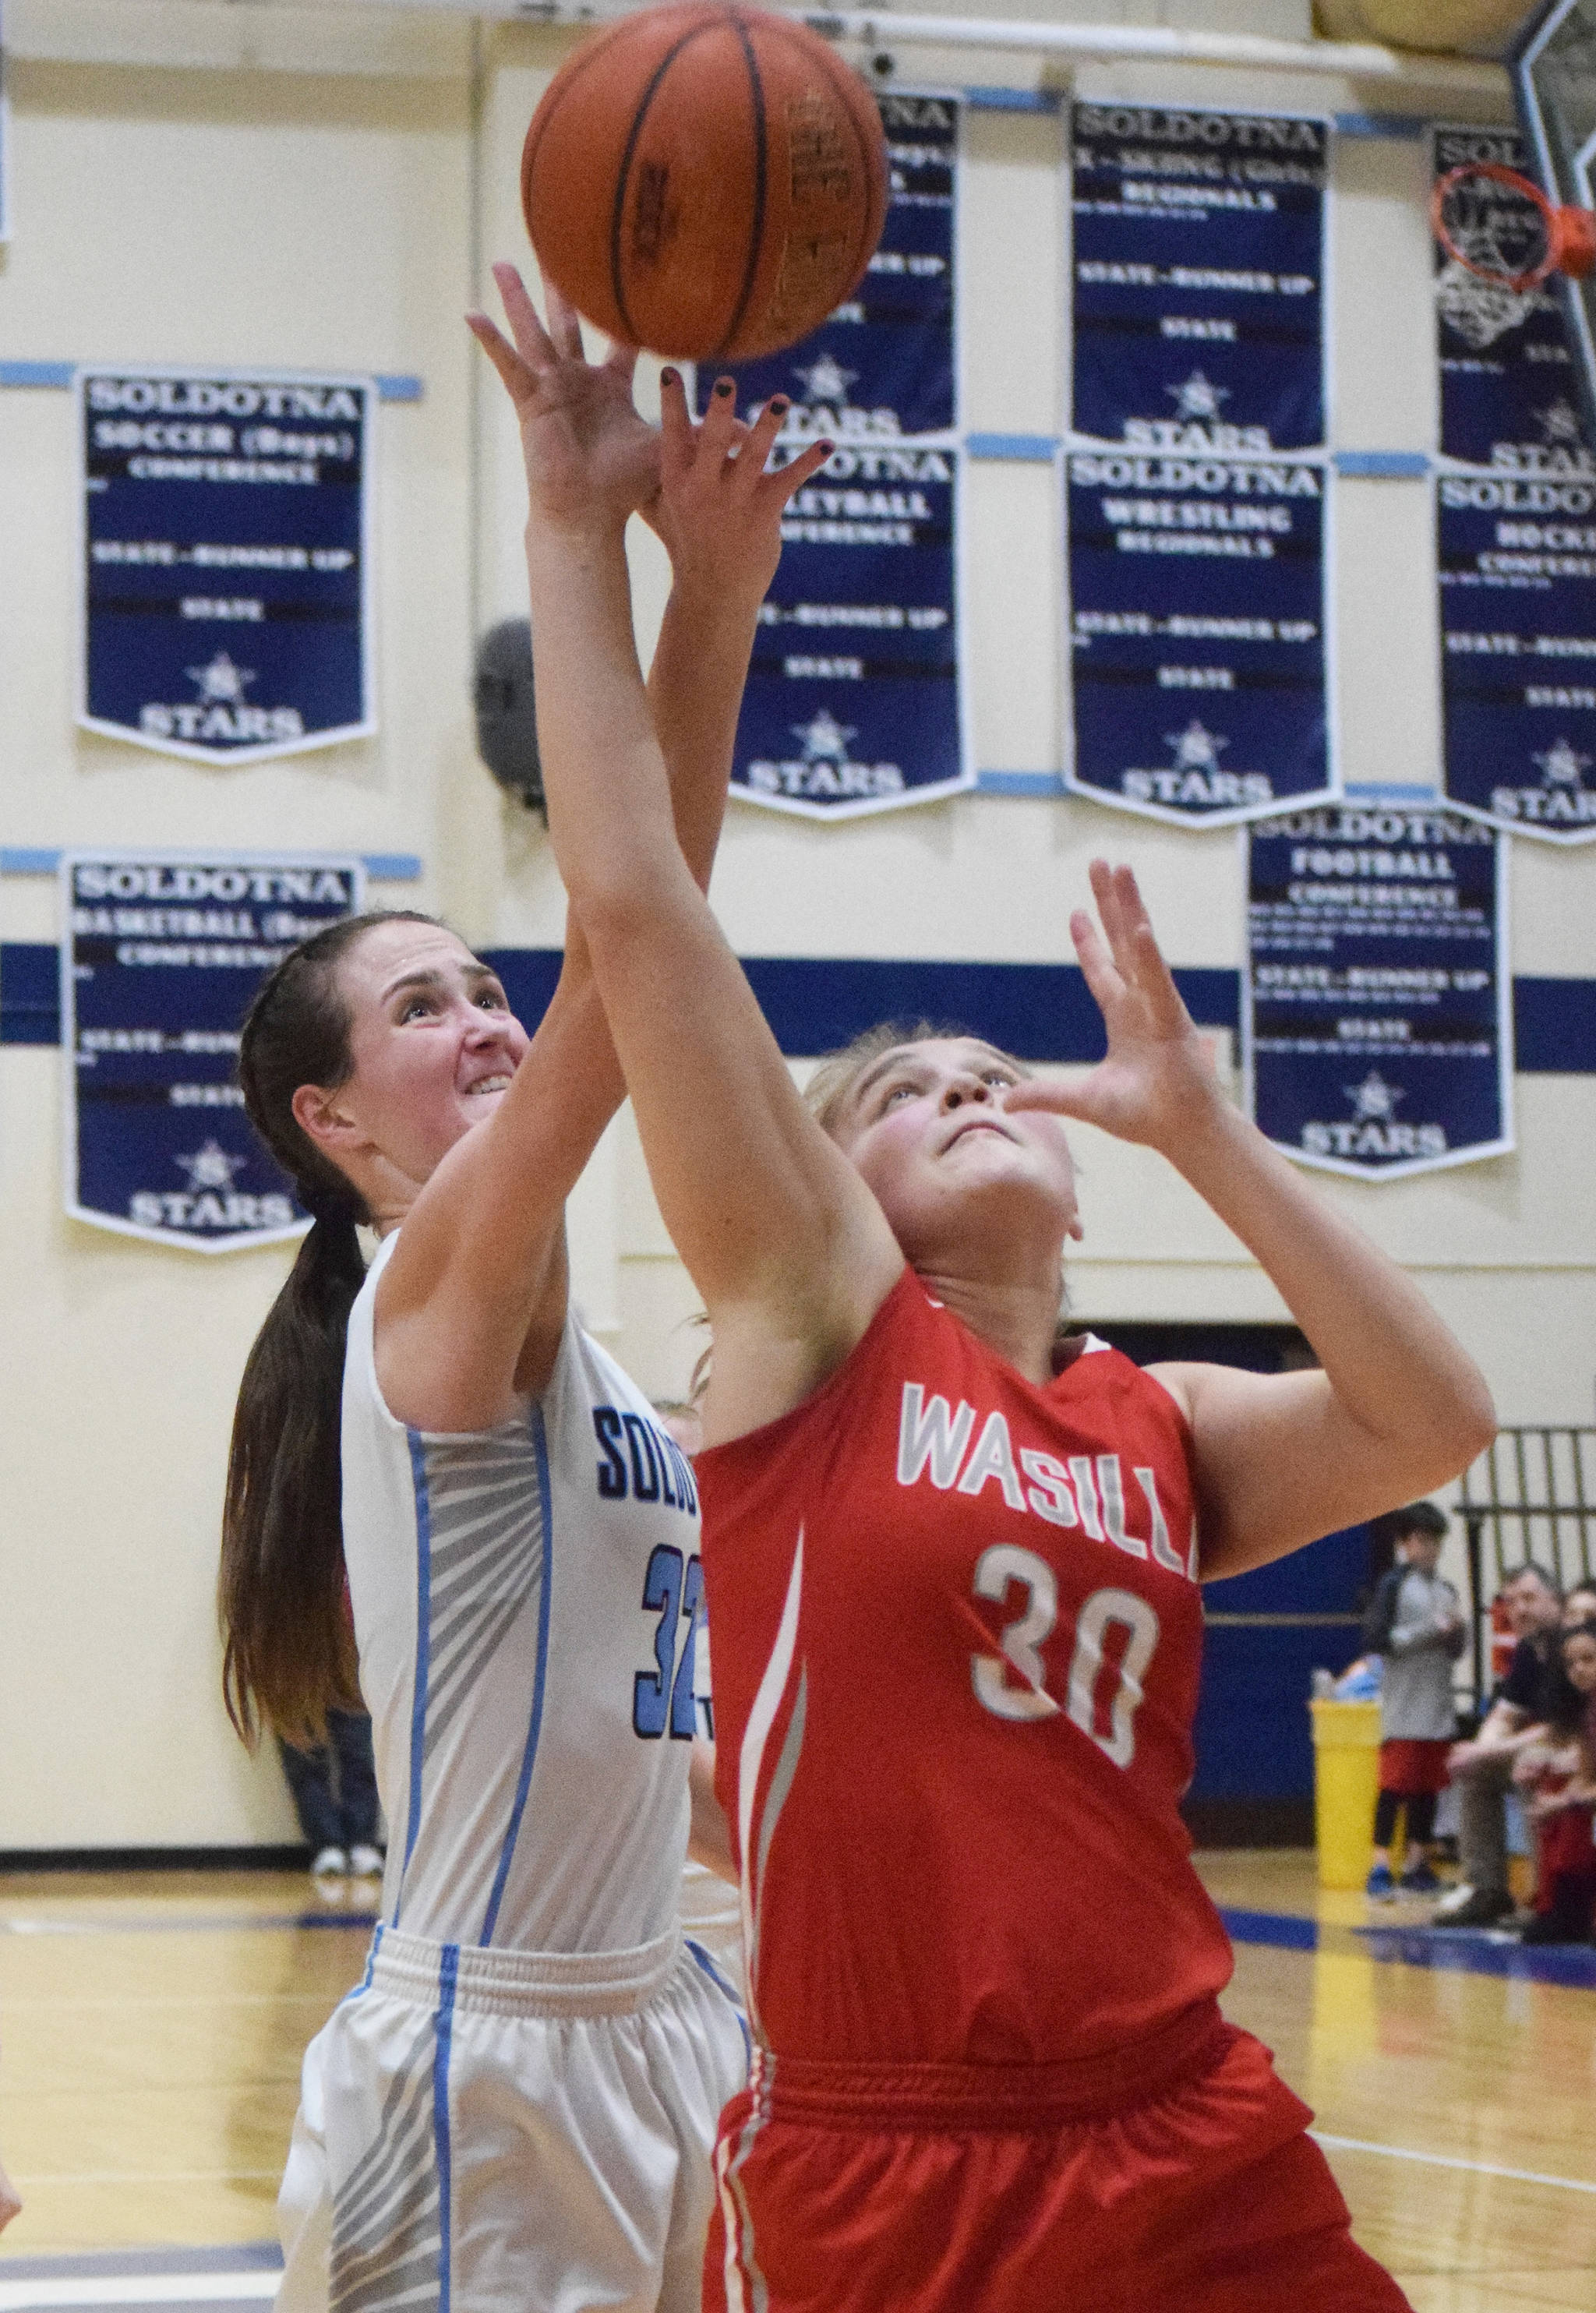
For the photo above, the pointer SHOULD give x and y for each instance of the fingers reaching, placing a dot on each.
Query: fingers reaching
(532, 340)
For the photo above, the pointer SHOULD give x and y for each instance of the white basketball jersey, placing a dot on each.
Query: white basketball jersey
(526, 1600)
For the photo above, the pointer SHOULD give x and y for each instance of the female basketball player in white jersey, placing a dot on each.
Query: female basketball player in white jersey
(953, 1576)
(516, 2108)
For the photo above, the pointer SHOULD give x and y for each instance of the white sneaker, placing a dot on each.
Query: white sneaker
(331, 1863)
(366, 1862)
(1454, 1900)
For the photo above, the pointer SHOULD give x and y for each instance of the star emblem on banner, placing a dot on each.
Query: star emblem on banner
(1198, 398)
(1562, 764)
(825, 380)
(1195, 748)
(211, 1167)
(1374, 1098)
(1560, 422)
(825, 740)
(221, 684)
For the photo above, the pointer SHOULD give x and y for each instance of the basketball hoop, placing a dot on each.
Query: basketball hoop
(1514, 244)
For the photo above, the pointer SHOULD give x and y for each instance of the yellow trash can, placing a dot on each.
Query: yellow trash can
(1346, 1781)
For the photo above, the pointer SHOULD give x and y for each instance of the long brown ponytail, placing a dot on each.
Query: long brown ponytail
(288, 1650)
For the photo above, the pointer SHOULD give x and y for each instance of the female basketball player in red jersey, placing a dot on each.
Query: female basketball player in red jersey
(952, 1575)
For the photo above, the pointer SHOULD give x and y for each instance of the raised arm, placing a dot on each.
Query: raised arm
(782, 1239)
(471, 1307)
(1397, 1408)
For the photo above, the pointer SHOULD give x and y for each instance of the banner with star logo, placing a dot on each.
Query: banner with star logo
(1199, 687)
(225, 560)
(161, 954)
(1198, 302)
(1376, 1014)
(854, 701)
(1195, 471)
(1515, 525)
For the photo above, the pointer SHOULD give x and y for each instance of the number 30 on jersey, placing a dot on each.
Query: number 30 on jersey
(1020, 1642)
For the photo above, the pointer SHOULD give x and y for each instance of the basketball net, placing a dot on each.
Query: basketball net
(1499, 226)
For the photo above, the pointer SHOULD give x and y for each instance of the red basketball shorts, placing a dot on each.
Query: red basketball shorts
(926, 2189)
(1409, 1767)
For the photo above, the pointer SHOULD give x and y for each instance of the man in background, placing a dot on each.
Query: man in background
(1482, 1767)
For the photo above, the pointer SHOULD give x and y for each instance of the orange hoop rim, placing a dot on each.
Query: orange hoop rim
(1499, 174)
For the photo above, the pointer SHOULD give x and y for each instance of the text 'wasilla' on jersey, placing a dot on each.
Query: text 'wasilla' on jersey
(969, 1604)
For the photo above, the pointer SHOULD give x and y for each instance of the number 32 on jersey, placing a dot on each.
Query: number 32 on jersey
(1020, 1642)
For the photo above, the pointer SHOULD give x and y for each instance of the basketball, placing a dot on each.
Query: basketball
(705, 180)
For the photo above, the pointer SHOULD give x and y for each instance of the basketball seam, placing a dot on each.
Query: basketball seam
(834, 72)
(761, 176)
(617, 213)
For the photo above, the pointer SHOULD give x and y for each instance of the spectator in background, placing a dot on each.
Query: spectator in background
(1482, 1769)
(1558, 1774)
(1416, 1624)
(335, 1797)
(1579, 1606)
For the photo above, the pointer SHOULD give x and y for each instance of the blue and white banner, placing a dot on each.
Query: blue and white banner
(1515, 525)
(225, 562)
(854, 702)
(1517, 563)
(1508, 391)
(1199, 661)
(884, 362)
(1198, 278)
(1376, 1018)
(160, 955)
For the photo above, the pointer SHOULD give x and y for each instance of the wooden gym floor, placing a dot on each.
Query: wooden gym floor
(151, 2029)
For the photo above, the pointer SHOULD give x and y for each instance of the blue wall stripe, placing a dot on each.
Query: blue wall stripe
(393, 385)
(423, 1649)
(1406, 128)
(1036, 447)
(1042, 1011)
(37, 859)
(540, 1676)
(1382, 465)
(1004, 99)
(443, 2030)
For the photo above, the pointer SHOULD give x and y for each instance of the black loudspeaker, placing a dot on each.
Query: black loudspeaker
(506, 725)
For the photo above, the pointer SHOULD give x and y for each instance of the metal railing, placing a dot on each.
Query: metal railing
(1529, 1497)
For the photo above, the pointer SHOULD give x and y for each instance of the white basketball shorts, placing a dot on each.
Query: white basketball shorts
(485, 2132)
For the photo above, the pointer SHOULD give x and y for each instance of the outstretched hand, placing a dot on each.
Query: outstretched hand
(591, 460)
(1155, 1083)
(718, 511)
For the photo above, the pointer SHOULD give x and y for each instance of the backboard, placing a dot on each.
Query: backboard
(1553, 63)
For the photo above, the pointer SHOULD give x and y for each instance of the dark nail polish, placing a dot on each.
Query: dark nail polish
(723, 386)
(669, 377)
(780, 404)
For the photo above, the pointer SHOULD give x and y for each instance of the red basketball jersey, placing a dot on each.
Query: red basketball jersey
(957, 1635)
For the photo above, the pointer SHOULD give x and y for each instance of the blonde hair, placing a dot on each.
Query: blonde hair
(825, 1094)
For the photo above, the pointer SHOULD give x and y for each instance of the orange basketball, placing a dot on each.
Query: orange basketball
(705, 180)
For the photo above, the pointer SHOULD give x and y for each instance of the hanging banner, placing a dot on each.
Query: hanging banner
(226, 565)
(1376, 1017)
(1196, 631)
(1515, 535)
(1517, 564)
(1199, 267)
(1508, 392)
(854, 702)
(883, 364)
(161, 954)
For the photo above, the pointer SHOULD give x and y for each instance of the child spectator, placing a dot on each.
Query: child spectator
(1414, 1622)
(1560, 1773)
